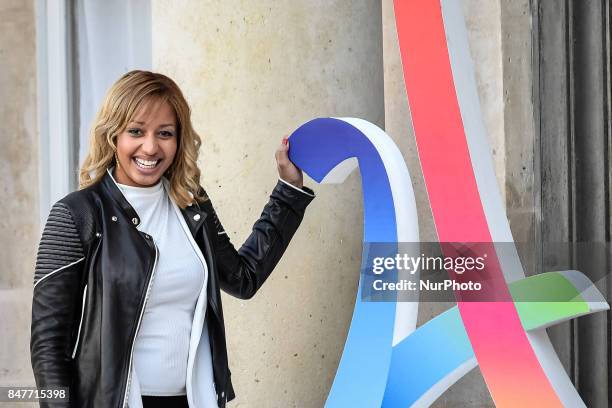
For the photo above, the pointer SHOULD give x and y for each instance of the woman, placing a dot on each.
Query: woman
(126, 305)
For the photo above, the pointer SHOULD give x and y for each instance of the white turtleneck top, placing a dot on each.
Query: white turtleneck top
(161, 347)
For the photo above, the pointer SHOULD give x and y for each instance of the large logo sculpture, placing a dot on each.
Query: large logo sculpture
(387, 361)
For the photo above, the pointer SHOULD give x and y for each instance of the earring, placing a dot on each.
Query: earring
(117, 160)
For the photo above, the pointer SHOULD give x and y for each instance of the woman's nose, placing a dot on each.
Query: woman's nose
(149, 144)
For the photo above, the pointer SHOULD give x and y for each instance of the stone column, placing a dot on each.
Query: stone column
(253, 72)
(19, 223)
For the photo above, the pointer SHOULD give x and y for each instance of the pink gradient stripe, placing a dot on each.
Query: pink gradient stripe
(509, 365)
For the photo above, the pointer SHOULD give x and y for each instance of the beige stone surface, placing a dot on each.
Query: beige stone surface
(254, 71)
(519, 128)
(483, 21)
(19, 225)
(15, 368)
(18, 157)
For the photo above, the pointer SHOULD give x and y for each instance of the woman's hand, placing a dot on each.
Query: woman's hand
(286, 169)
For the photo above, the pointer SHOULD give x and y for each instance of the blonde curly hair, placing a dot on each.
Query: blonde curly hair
(122, 101)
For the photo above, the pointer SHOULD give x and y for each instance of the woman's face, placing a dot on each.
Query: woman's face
(147, 146)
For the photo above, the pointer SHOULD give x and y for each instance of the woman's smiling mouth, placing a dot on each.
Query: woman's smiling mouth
(146, 164)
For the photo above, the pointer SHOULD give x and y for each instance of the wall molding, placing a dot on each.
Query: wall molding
(55, 102)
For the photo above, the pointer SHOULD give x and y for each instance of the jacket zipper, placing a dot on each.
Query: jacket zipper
(206, 254)
(207, 263)
(198, 252)
(76, 343)
(208, 250)
(129, 377)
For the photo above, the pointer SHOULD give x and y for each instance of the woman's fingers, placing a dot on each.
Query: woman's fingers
(282, 153)
(286, 169)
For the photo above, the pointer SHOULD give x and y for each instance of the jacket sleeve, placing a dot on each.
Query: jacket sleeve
(242, 272)
(55, 300)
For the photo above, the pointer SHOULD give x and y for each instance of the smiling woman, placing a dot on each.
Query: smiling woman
(145, 116)
(126, 304)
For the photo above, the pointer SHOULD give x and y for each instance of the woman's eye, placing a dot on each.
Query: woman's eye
(135, 132)
(165, 133)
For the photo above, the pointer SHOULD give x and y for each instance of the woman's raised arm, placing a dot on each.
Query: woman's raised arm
(243, 271)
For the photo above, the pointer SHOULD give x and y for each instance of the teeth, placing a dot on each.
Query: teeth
(147, 164)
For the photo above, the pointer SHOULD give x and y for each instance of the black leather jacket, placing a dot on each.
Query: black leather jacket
(93, 274)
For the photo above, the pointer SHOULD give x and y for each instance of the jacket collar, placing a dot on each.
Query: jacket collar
(193, 214)
(111, 187)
